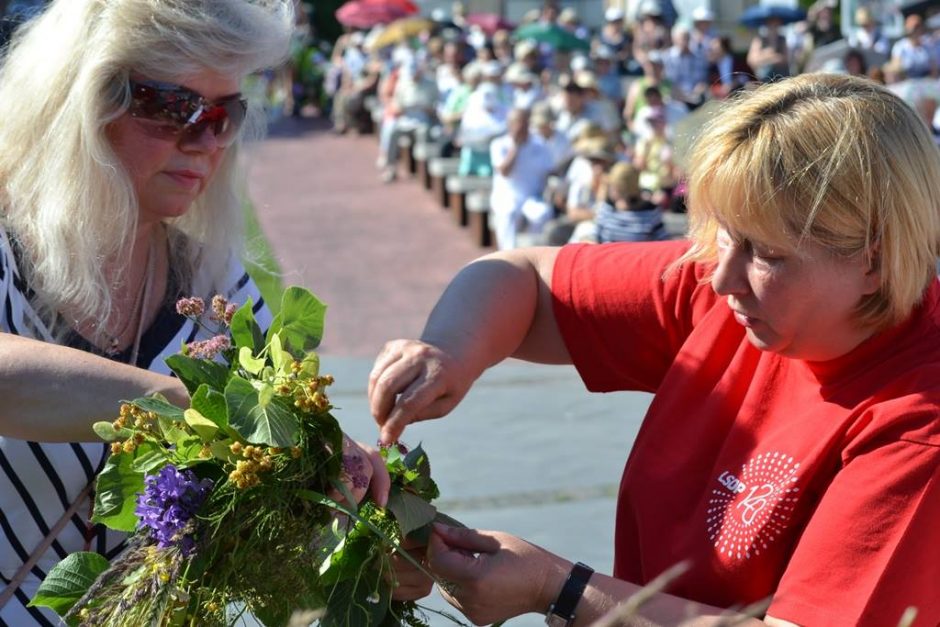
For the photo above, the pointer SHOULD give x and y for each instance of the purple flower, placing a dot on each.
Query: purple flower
(169, 501)
(191, 307)
(208, 349)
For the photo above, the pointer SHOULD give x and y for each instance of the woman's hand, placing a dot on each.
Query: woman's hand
(409, 583)
(412, 381)
(363, 472)
(492, 576)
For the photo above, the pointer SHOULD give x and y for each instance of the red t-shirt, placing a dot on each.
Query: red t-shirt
(817, 483)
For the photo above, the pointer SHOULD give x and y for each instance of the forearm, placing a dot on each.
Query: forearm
(54, 394)
(496, 307)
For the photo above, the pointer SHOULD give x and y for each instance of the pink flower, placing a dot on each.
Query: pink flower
(208, 349)
(191, 307)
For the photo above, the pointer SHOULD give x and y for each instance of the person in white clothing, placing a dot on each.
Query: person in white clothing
(521, 165)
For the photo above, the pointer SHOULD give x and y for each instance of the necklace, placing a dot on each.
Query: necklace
(137, 310)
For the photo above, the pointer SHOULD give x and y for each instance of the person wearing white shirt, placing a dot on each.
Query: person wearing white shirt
(521, 165)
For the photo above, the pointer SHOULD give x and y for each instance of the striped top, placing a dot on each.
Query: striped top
(39, 481)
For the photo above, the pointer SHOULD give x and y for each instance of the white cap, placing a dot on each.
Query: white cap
(650, 7)
(613, 14)
(703, 14)
(492, 69)
(439, 15)
(579, 63)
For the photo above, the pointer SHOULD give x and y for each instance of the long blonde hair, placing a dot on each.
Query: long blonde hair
(66, 197)
(834, 160)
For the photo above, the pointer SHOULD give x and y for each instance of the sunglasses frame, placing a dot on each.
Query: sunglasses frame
(184, 113)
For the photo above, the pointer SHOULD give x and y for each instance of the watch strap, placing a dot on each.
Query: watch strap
(561, 612)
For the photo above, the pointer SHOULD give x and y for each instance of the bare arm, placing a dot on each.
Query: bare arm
(495, 576)
(496, 307)
(54, 394)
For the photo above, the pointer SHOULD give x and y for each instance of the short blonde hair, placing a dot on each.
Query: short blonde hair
(835, 160)
(63, 191)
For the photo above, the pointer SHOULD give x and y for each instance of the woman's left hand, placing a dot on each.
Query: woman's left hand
(363, 472)
(492, 576)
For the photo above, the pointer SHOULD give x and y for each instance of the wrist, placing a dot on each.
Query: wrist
(564, 608)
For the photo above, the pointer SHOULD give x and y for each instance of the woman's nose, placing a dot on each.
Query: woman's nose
(730, 275)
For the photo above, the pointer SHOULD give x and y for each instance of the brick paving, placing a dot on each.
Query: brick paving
(379, 255)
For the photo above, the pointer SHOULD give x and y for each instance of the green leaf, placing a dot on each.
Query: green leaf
(245, 331)
(211, 404)
(68, 581)
(149, 458)
(249, 362)
(195, 372)
(310, 365)
(188, 452)
(159, 406)
(300, 321)
(265, 394)
(279, 359)
(411, 511)
(106, 431)
(171, 430)
(204, 428)
(116, 493)
(417, 459)
(271, 424)
(360, 601)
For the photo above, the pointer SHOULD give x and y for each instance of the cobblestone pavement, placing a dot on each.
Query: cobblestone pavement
(379, 255)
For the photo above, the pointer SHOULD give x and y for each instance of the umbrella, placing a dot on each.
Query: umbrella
(400, 30)
(407, 7)
(553, 35)
(758, 15)
(359, 14)
(489, 22)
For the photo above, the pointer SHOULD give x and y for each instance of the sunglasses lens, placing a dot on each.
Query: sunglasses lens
(224, 119)
(170, 112)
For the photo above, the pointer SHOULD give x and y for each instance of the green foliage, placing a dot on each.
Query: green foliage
(278, 529)
(68, 581)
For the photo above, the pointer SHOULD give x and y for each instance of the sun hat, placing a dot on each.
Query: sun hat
(595, 149)
(519, 73)
(703, 14)
(613, 14)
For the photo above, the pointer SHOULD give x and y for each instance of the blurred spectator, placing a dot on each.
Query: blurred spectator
(702, 35)
(484, 119)
(569, 20)
(452, 109)
(725, 73)
(867, 35)
(769, 55)
(607, 72)
(653, 158)
(543, 127)
(358, 80)
(686, 70)
(599, 108)
(521, 166)
(853, 62)
(650, 32)
(623, 215)
(915, 53)
(657, 106)
(584, 189)
(412, 107)
(574, 115)
(613, 38)
(653, 76)
(525, 87)
(448, 71)
(502, 47)
(822, 27)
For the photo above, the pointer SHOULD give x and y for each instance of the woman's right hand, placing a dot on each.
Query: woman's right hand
(412, 381)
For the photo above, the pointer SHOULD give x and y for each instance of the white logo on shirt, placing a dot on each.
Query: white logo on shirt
(750, 510)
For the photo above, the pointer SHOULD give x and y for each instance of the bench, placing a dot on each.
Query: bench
(478, 218)
(457, 189)
(423, 152)
(405, 155)
(439, 168)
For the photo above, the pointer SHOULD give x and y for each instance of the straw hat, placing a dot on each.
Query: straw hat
(624, 179)
(595, 149)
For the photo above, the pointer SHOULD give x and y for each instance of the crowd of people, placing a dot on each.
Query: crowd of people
(615, 97)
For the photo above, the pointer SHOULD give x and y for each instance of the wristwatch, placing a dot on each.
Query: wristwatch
(561, 612)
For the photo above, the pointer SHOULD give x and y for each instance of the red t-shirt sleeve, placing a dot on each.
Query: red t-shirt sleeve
(622, 312)
(872, 547)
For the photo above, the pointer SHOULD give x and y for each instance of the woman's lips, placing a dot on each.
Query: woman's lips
(188, 179)
(743, 320)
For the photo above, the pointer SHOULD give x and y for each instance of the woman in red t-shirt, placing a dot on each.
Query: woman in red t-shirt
(792, 450)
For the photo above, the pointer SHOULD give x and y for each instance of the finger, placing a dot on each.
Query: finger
(466, 539)
(381, 482)
(390, 382)
(422, 400)
(454, 565)
(386, 357)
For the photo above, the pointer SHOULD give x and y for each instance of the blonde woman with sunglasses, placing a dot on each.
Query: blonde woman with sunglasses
(121, 192)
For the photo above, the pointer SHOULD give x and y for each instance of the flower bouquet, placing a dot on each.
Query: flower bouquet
(241, 503)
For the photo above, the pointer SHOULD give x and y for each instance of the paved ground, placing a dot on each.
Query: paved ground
(528, 451)
(378, 255)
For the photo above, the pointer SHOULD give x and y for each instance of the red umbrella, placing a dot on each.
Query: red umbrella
(407, 7)
(367, 13)
(490, 22)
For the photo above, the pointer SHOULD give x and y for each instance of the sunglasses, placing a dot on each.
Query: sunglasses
(180, 113)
